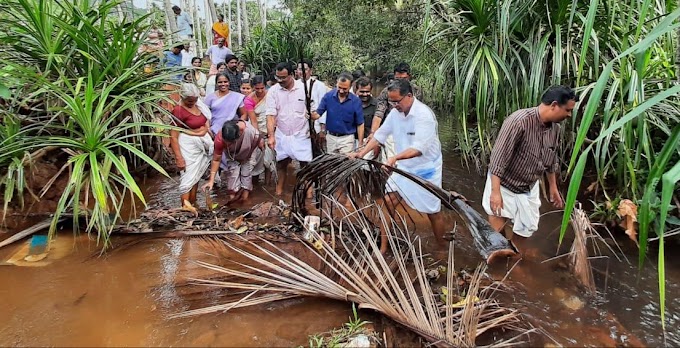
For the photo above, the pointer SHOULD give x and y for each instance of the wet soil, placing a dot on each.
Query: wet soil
(124, 297)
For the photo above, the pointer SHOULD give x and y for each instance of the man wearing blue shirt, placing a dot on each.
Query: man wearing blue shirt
(344, 117)
(185, 29)
(173, 58)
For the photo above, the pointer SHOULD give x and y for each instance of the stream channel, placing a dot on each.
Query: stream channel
(123, 298)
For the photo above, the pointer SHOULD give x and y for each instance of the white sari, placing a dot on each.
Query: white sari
(197, 153)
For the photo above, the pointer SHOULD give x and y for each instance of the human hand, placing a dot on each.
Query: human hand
(353, 155)
(556, 198)
(496, 203)
(272, 142)
(181, 165)
(208, 186)
(457, 195)
(392, 161)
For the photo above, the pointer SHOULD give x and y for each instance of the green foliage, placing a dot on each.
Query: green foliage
(89, 97)
(340, 337)
(634, 123)
(279, 42)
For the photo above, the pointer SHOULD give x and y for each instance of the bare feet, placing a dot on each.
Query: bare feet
(500, 255)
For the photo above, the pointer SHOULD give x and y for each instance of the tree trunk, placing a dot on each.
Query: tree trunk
(208, 27)
(212, 11)
(238, 23)
(263, 12)
(246, 26)
(197, 29)
(170, 18)
(231, 26)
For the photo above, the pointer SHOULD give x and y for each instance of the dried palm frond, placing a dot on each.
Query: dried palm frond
(579, 262)
(363, 180)
(356, 271)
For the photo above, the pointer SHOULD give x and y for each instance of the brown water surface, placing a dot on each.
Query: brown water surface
(124, 297)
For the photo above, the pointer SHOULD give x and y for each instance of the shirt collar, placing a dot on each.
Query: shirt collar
(350, 95)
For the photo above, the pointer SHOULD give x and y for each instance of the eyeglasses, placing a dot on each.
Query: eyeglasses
(395, 102)
(280, 78)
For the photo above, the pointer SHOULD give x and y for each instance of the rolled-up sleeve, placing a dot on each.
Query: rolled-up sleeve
(322, 106)
(271, 105)
(381, 106)
(358, 113)
(425, 134)
(385, 129)
(501, 154)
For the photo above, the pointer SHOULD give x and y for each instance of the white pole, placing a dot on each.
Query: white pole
(238, 23)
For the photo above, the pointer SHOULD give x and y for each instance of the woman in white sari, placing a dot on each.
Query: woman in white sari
(263, 160)
(193, 146)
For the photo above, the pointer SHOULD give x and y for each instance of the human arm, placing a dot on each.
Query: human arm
(174, 145)
(271, 127)
(555, 196)
(496, 199)
(406, 154)
(271, 119)
(318, 111)
(359, 120)
(380, 109)
(214, 166)
(370, 146)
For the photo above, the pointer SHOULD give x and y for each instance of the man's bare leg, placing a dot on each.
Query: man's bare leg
(438, 227)
(498, 223)
(391, 200)
(281, 170)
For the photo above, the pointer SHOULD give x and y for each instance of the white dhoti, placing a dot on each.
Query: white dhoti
(297, 147)
(197, 152)
(415, 196)
(339, 144)
(521, 208)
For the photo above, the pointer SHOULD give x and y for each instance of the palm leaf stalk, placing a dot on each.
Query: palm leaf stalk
(359, 273)
(365, 179)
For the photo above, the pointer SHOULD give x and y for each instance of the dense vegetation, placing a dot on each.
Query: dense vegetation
(73, 82)
(76, 89)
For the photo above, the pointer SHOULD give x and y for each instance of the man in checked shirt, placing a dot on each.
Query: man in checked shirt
(525, 149)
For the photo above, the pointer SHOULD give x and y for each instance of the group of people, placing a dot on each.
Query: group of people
(251, 127)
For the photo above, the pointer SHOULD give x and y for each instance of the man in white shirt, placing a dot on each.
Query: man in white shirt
(413, 126)
(316, 89)
(188, 53)
(217, 53)
(185, 29)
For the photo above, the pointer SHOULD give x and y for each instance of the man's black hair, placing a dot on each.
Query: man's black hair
(308, 62)
(288, 66)
(559, 94)
(363, 82)
(230, 57)
(345, 76)
(402, 67)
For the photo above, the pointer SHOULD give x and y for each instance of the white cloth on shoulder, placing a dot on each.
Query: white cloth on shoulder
(521, 208)
(197, 152)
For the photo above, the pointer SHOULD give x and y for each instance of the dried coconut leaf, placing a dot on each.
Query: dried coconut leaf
(628, 212)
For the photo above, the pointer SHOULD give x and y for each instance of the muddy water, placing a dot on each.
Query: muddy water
(124, 298)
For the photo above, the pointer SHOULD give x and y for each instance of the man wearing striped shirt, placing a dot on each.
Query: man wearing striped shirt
(525, 149)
